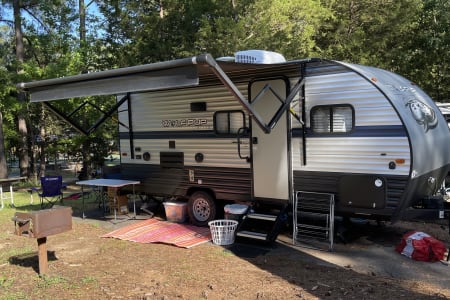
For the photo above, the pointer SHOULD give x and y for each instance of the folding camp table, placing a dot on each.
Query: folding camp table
(103, 182)
(9, 181)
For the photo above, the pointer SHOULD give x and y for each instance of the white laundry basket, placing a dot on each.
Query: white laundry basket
(222, 231)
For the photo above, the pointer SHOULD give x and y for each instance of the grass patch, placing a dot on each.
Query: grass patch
(220, 252)
(15, 296)
(4, 235)
(51, 281)
(22, 202)
(114, 243)
(5, 255)
(96, 225)
(88, 279)
(6, 282)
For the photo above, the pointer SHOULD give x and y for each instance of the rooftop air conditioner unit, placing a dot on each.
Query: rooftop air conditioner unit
(259, 57)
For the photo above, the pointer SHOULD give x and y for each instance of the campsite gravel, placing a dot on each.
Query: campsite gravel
(82, 265)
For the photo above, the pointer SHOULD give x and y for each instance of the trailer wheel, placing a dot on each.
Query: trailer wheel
(201, 208)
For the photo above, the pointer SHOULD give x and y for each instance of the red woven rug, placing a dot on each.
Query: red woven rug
(155, 231)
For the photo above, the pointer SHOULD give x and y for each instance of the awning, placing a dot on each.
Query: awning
(162, 75)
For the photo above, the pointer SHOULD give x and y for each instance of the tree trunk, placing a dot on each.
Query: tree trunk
(82, 13)
(161, 9)
(3, 165)
(86, 169)
(21, 120)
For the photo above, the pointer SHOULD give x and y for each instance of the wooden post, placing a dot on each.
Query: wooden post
(42, 254)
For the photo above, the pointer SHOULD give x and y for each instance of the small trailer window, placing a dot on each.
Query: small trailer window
(228, 122)
(332, 118)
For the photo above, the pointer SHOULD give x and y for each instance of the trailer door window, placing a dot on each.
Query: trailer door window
(228, 122)
(332, 118)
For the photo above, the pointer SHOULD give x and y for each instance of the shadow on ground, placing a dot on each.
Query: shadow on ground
(367, 254)
(31, 260)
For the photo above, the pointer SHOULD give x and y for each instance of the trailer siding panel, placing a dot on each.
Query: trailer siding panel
(377, 139)
(216, 152)
(165, 116)
(370, 155)
(371, 107)
(226, 183)
(161, 110)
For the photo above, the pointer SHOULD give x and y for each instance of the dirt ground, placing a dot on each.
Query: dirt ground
(82, 265)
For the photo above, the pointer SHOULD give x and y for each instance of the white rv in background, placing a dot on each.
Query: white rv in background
(240, 129)
(445, 110)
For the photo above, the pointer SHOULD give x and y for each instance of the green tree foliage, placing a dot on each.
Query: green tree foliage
(410, 37)
(51, 49)
(368, 31)
(151, 31)
(428, 53)
(5, 100)
(221, 29)
(285, 26)
(8, 103)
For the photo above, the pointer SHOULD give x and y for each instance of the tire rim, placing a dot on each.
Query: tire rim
(201, 210)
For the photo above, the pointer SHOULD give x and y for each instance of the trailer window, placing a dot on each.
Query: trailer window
(228, 122)
(332, 118)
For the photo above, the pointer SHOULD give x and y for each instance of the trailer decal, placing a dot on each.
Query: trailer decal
(184, 123)
(423, 114)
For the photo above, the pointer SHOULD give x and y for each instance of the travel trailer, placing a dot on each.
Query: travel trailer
(256, 128)
(445, 110)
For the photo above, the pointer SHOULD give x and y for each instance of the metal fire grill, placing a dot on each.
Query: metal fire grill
(41, 224)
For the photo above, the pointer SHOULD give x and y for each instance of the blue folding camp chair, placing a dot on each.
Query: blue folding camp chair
(51, 190)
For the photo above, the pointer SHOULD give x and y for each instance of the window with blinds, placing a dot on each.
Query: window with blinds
(228, 122)
(332, 118)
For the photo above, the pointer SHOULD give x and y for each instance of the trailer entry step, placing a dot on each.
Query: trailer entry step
(262, 217)
(252, 235)
(263, 222)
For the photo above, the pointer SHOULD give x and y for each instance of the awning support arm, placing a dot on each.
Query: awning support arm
(209, 60)
(106, 115)
(65, 118)
(267, 128)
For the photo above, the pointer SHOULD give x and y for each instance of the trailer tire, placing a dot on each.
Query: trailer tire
(201, 208)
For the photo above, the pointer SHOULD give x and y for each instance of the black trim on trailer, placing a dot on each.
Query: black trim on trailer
(303, 99)
(130, 126)
(178, 134)
(358, 131)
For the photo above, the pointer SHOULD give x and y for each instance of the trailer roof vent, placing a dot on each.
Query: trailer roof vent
(259, 57)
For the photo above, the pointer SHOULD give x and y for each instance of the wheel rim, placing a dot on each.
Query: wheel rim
(201, 209)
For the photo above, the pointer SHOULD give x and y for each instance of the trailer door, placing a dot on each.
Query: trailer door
(270, 160)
